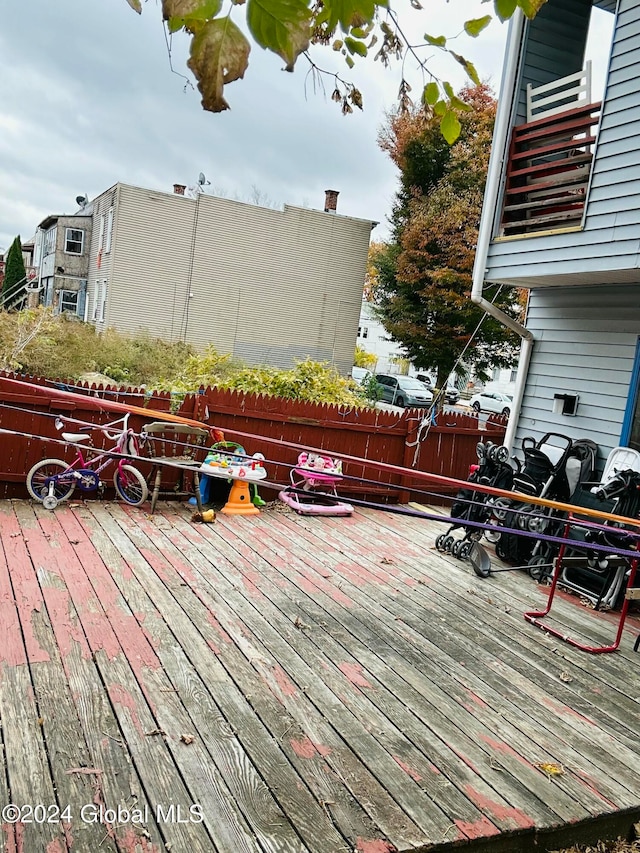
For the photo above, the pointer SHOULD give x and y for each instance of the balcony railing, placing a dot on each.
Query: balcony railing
(550, 159)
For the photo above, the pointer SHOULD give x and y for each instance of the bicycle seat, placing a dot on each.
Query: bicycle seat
(76, 437)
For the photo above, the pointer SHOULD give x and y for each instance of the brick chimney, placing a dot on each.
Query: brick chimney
(330, 201)
(179, 189)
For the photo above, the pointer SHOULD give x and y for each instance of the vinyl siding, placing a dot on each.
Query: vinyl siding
(607, 249)
(585, 344)
(264, 285)
(554, 46)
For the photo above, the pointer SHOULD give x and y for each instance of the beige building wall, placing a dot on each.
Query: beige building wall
(268, 286)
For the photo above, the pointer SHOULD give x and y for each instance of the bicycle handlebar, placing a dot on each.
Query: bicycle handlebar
(106, 429)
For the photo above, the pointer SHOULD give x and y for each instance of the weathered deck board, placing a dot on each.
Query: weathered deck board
(467, 719)
(347, 688)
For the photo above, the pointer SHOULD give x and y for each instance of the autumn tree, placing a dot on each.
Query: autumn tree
(220, 49)
(14, 272)
(425, 274)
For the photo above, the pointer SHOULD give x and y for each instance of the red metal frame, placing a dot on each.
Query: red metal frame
(535, 616)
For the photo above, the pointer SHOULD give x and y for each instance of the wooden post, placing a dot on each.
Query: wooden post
(407, 458)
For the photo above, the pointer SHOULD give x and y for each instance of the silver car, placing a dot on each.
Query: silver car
(403, 391)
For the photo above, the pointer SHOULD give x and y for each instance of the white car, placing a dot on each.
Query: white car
(492, 401)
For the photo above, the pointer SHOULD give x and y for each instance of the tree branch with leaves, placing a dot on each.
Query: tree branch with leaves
(425, 273)
(221, 37)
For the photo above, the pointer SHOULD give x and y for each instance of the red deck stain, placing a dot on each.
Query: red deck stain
(56, 847)
(353, 671)
(408, 770)
(283, 681)
(510, 814)
(476, 699)
(306, 748)
(374, 845)
(565, 710)
(466, 760)
(477, 828)
(59, 608)
(303, 748)
(9, 834)
(26, 591)
(501, 746)
(330, 589)
(251, 587)
(131, 842)
(122, 697)
(589, 783)
(213, 621)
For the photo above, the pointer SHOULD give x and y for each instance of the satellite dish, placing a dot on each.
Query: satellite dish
(82, 200)
(202, 181)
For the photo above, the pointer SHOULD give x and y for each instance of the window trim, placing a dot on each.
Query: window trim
(632, 400)
(68, 240)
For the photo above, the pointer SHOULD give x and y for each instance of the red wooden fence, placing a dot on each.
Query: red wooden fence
(276, 427)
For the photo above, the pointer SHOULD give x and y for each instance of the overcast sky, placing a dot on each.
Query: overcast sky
(88, 98)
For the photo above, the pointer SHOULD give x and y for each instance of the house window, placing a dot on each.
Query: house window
(107, 245)
(73, 241)
(363, 332)
(96, 299)
(514, 374)
(101, 232)
(103, 301)
(68, 301)
(50, 241)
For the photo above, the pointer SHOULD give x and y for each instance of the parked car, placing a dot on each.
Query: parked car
(491, 401)
(424, 378)
(360, 374)
(403, 390)
(451, 395)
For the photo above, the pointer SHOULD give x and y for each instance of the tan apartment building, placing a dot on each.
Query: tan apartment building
(268, 286)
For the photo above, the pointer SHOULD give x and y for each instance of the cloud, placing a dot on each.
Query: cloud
(88, 98)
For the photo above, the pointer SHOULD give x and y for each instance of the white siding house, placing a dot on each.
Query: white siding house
(268, 286)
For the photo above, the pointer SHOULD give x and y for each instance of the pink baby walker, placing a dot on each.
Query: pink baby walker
(313, 486)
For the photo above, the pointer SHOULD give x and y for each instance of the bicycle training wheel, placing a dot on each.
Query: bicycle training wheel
(130, 485)
(45, 479)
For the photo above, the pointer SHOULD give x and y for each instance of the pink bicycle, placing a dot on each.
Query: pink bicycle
(53, 480)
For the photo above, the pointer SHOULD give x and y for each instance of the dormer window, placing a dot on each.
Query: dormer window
(73, 241)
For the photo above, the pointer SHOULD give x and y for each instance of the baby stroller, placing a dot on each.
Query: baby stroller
(543, 473)
(492, 469)
(600, 577)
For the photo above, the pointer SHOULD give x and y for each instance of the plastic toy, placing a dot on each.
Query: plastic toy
(313, 486)
(228, 460)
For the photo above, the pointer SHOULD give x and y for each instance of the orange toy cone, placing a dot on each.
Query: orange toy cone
(239, 502)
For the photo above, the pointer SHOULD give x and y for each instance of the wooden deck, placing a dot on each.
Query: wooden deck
(278, 683)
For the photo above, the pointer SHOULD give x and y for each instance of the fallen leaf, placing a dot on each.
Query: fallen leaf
(187, 738)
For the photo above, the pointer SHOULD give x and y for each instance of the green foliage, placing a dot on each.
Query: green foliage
(220, 51)
(365, 359)
(425, 275)
(371, 389)
(14, 271)
(39, 343)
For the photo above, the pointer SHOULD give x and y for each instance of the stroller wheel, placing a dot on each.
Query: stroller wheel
(447, 545)
(465, 549)
(539, 567)
(500, 551)
(492, 535)
(439, 542)
(455, 548)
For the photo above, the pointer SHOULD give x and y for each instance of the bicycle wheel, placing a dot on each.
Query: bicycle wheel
(47, 478)
(130, 485)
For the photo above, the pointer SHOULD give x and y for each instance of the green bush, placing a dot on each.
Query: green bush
(40, 343)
